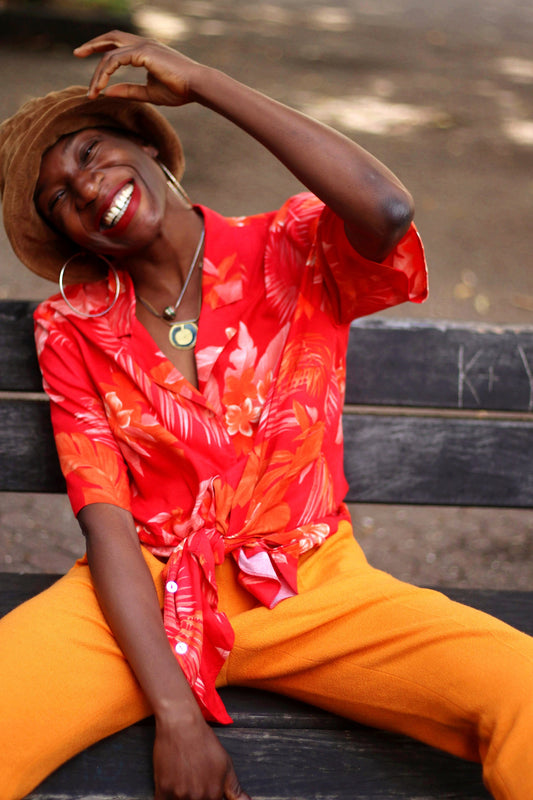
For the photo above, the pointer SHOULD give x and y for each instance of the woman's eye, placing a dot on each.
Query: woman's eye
(87, 151)
(55, 200)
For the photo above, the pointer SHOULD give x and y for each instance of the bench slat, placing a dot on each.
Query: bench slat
(514, 607)
(19, 370)
(440, 364)
(438, 461)
(450, 365)
(27, 448)
(388, 458)
(340, 765)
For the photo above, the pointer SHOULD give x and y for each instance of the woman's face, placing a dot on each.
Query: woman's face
(103, 190)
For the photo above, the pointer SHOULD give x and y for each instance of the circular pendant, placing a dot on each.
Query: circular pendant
(183, 335)
(168, 314)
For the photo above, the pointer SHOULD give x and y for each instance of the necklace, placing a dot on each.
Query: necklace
(182, 335)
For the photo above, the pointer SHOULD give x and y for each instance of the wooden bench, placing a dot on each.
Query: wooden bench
(437, 414)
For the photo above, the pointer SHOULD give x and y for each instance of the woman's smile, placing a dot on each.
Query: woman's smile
(117, 212)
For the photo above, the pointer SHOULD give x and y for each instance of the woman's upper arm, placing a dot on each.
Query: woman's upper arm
(89, 455)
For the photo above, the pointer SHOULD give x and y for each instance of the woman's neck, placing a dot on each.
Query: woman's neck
(159, 271)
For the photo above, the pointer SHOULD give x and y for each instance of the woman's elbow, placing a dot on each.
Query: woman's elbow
(398, 214)
(388, 223)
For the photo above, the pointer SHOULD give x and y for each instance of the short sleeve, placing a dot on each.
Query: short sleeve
(93, 466)
(358, 286)
(306, 235)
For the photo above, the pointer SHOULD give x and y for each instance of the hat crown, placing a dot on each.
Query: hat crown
(13, 131)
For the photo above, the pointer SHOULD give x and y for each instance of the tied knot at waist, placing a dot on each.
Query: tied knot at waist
(201, 636)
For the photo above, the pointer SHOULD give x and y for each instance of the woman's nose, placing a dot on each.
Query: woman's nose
(86, 186)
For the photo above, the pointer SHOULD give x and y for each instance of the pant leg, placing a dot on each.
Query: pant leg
(360, 643)
(64, 681)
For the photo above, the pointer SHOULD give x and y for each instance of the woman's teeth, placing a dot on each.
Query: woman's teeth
(119, 205)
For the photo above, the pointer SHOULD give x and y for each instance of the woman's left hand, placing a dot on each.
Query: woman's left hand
(169, 73)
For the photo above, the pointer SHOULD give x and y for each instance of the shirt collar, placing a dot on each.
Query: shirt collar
(222, 281)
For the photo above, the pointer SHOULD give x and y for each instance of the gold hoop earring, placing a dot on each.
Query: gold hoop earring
(175, 185)
(67, 301)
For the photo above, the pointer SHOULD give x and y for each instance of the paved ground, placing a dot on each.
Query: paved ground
(443, 93)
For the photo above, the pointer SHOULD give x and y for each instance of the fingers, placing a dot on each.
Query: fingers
(232, 787)
(129, 91)
(167, 71)
(106, 41)
(119, 49)
(110, 62)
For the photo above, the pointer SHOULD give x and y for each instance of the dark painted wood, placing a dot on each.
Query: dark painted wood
(388, 458)
(16, 589)
(28, 457)
(440, 364)
(439, 461)
(356, 762)
(19, 370)
(433, 364)
(51, 24)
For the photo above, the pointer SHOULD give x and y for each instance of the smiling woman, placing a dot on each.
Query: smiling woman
(41, 124)
(196, 390)
(93, 184)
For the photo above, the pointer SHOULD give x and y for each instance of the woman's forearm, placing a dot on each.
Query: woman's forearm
(375, 206)
(189, 761)
(129, 602)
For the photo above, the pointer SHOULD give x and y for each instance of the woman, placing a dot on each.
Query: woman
(196, 393)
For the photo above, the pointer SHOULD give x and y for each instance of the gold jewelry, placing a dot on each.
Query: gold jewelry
(67, 301)
(175, 185)
(182, 335)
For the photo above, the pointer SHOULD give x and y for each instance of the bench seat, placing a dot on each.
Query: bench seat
(436, 414)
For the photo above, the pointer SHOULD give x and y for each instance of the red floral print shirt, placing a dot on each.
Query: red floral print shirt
(249, 464)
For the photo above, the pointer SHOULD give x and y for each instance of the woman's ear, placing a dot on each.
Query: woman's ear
(151, 150)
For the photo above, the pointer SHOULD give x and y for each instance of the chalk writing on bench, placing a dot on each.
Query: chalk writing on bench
(463, 376)
(468, 378)
(529, 374)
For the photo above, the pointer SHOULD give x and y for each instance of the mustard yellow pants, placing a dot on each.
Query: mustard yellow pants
(354, 640)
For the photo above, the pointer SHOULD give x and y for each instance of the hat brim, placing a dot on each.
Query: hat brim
(37, 245)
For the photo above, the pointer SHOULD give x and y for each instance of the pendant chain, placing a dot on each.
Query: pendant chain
(169, 313)
(182, 335)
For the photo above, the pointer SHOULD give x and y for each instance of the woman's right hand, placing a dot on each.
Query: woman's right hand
(191, 764)
(189, 761)
(169, 72)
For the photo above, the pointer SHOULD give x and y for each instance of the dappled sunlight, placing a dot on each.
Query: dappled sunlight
(371, 114)
(520, 131)
(199, 8)
(331, 18)
(160, 24)
(516, 126)
(518, 69)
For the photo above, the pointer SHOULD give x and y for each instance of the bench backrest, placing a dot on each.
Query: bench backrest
(436, 413)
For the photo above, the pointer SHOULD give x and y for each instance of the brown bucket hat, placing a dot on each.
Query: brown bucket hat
(26, 136)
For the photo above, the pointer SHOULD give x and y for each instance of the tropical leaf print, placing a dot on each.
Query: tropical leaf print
(248, 464)
(306, 363)
(95, 465)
